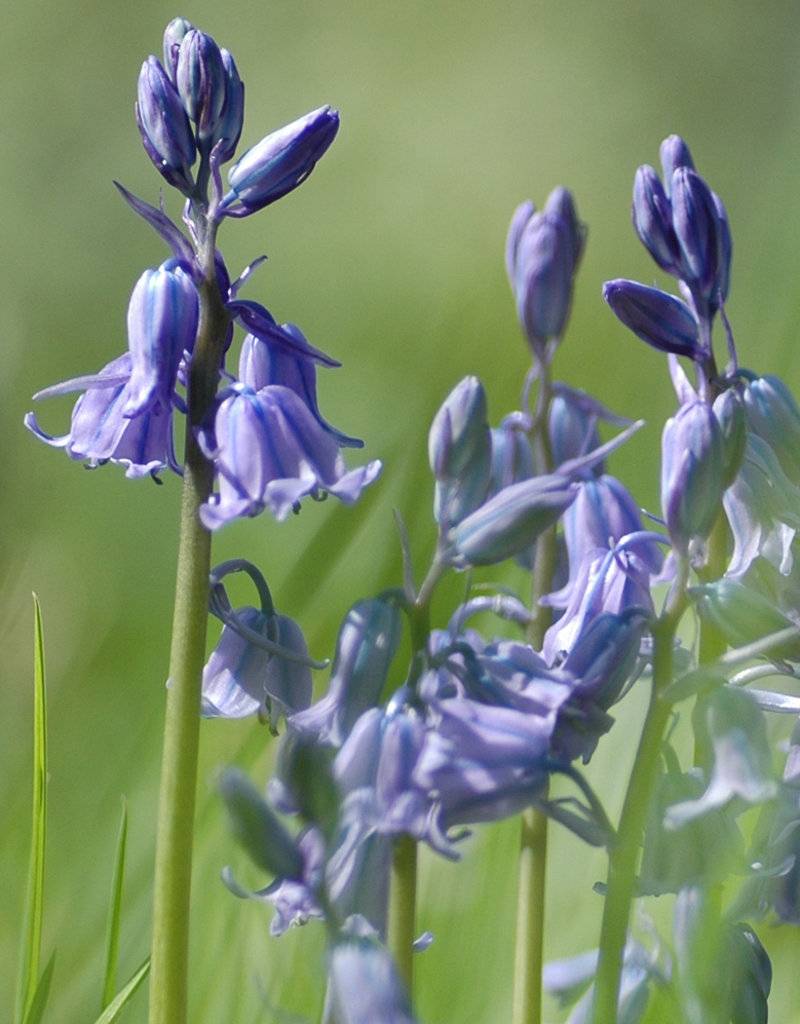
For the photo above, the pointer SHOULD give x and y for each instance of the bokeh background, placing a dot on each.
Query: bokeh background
(390, 257)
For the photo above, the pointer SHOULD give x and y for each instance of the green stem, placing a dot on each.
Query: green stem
(402, 907)
(532, 864)
(625, 853)
(173, 861)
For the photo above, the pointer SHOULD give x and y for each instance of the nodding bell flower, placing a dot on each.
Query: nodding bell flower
(164, 127)
(692, 473)
(269, 452)
(162, 324)
(365, 986)
(200, 81)
(543, 250)
(262, 364)
(660, 319)
(460, 452)
(242, 678)
(101, 431)
(773, 414)
(279, 163)
(367, 642)
(730, 412)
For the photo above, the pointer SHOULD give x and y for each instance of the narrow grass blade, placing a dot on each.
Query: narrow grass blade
(119, 1002)
(42, 991)
(115, 912)
(34, 905)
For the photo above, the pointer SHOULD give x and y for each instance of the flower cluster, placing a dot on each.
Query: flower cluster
(264, 433)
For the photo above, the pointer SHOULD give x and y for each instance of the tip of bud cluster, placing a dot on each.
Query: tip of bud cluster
(200, 81)
(674, 153)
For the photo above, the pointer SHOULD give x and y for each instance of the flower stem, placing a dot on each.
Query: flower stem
(532, 864)
(625, 853)
(402, 907)
(173, 861)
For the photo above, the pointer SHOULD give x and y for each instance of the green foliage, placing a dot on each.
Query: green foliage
(115, 912)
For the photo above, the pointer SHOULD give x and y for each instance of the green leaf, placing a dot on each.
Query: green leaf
(117, 1005)
(42, 991)
(28, 980)
(115, 912)
(257, 827)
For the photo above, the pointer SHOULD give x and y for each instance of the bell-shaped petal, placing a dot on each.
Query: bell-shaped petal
(773, 414)
(561, 205)
(692, 473)
(730, 413)
(173, 35)
(652, 219)
(242, 679)
(661, 320)
(366, 645)
(100, 431)
(164, 127)
(269, 452)
(262, 364)
(460, 452)
(279, 163)
(162, 324)
(365, 987)
(200, 81)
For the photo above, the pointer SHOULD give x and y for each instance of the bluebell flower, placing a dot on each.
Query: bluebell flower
(365, 987)
(512, 456)
(730, 413)
(367, 642)
(162, 324)
(242, 679)
(173, 36)
(264, 363)
(572, 423)
(460, 452)
(773, 414)
(652, 219)
(269, 451)
(200, 81)
(542, 254)
(164, 127)
(279, 163)
(660, 319)
(101, 431)
(674, 153)
(692, 473)
(229, 124)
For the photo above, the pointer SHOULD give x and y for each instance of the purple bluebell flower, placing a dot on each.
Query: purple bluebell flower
(572, 424)
(101, 432)
(173, 36)
(692, 473)
(542, 253)
(229, 124)
(660, 319)
(162, 324)
(262, 364)
(512, 456)
(279, 163)
(652, 219)
(200, 81)
(164, 127)
(460, 452)
(674, 153)
(367, 642)
(773, 414)
(730, 413)
(700, 225)
(242, 679)
(365, 987)
(269, 452)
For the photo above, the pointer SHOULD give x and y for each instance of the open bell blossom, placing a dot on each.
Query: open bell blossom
(270, 451)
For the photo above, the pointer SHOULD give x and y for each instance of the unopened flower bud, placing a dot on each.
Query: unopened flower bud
(652, 219)
(773, 414)
(173, 36)
(164, 126)
(543, 273)
(460, 452)
(660, 319)
(561, 205)
(674, 153)
(701, 227)
(200, 80)
(279, 163)
(229, 124)
(729, 410)
(692, 475)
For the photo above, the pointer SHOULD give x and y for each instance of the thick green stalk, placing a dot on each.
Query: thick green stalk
(402, 907)
(532, 863)
(625, 853)
(173, 862)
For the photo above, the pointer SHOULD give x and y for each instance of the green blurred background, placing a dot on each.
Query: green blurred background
(391, 258)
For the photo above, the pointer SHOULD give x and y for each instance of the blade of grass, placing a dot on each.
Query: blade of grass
(42, 991)
(119, 1002)
(115, 912)
(31, 949)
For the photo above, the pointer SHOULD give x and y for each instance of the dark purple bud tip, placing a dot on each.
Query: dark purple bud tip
(164, 126)
(661, 320)
(200, 80)
(652, 219)
(674, 153)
